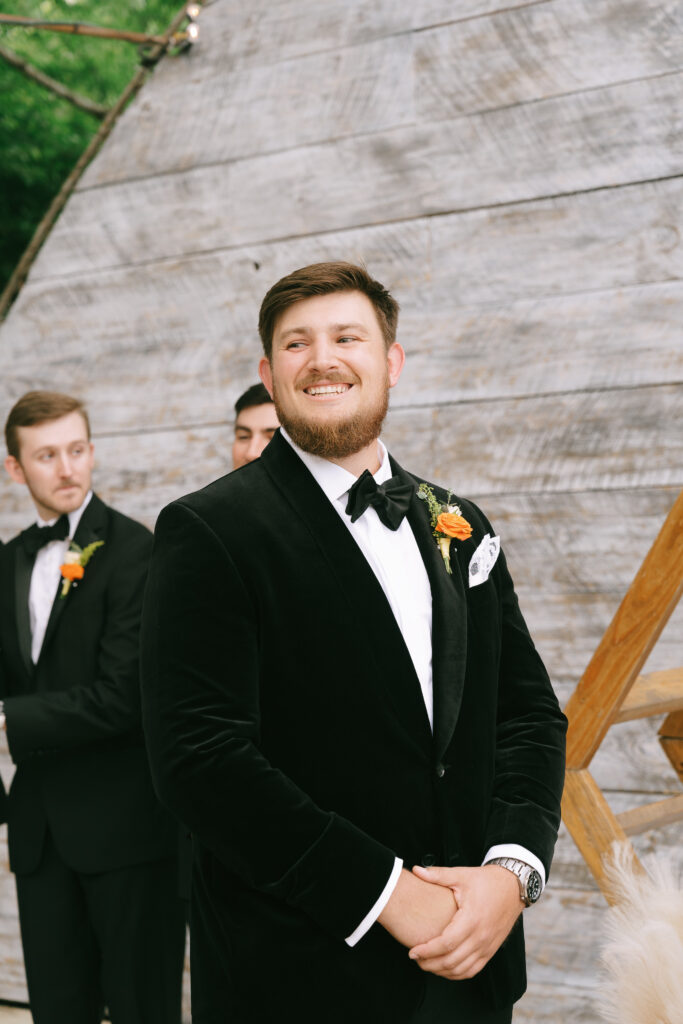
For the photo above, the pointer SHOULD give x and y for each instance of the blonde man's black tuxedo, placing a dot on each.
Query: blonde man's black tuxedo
(81, 809)
(286, 727)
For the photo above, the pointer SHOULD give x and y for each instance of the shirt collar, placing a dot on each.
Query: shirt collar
(334, 480)
(74, 517)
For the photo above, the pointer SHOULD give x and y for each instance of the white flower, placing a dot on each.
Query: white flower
(72, 557)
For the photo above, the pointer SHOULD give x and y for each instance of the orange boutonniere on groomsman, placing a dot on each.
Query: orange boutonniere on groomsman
(74, 565)
(447, 521)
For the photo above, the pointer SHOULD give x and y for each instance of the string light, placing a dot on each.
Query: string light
(190, 35)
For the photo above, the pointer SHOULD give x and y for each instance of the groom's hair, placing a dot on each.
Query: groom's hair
(39, 407)
(324, 279)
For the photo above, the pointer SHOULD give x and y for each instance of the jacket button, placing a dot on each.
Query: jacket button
(440, 771)
(428, 860)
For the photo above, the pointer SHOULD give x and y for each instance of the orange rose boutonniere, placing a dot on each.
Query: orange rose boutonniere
(447, 522)
(75, 562)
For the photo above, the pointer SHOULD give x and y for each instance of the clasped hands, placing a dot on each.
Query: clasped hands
(453, 919)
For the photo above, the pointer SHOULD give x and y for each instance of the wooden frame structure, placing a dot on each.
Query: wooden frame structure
(611, 690)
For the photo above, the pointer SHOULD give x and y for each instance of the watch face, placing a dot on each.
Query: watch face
(534, 887)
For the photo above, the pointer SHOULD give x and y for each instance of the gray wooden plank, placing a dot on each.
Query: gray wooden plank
(543, 50)
(607, 137)
(610, 238)
(568, 627)
(273, 30)
(188, 313)
(585, 341)
(226, 112)
(591, 543)
(550, 929)
(590, 241)
(563, 442)
(186, 317)
(230, 111)
(573, 558)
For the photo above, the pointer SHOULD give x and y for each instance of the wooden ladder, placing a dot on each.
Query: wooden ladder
(612, 691)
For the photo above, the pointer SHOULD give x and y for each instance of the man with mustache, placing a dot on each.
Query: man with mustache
(345, 706)
(93, 851)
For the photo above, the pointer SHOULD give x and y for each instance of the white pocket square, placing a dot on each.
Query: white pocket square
(483, 560)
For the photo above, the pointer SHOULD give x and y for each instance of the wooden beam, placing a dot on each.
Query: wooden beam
(592, 824)
(661, 812)
(630, 637)
(671, 739)
(653, 694)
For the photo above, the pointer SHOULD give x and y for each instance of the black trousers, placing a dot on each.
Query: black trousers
(437, 1007)
(114, 939)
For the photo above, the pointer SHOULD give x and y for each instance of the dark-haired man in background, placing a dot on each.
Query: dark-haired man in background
(351, 717)
(255, 423)
(93, 851)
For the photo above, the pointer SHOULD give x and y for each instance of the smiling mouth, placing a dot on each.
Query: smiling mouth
(323, 390)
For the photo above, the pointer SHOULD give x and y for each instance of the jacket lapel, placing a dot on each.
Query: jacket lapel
(449, 622)
(360, 590)
(23, 567)
(90, 528)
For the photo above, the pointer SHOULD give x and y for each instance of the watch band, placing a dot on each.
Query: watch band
(530, 882)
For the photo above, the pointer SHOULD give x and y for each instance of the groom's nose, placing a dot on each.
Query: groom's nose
(323, 353)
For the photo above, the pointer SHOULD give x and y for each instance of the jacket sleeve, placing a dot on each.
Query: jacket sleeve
(107, 707)
(530, 736)
(200, 698)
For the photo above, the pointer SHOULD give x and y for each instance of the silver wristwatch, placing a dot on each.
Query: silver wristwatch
(530, 881)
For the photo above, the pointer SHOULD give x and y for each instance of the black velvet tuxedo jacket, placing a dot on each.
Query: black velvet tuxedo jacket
(286, 727)
(73, 719)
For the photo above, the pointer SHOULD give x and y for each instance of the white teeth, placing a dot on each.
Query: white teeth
(328, 389)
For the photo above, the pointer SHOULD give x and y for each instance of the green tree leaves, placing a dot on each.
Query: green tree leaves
(42, 135)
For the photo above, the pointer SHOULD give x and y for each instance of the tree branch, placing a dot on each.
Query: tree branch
(82, 102)
(81, 28)
(42, 231)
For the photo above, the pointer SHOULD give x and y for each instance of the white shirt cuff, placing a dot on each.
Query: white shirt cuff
(519, 853)
(377, 908)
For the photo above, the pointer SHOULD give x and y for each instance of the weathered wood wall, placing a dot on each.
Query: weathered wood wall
(516, 177)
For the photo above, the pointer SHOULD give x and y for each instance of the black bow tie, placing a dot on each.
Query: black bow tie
(390, 500)
(37, 537)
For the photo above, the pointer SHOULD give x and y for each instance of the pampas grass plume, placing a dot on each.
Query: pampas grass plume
(643, 948)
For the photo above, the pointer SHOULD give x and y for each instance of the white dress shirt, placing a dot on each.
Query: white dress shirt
(395, 559)
(46, 578)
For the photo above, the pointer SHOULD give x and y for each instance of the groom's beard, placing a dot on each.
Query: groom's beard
(338, 439)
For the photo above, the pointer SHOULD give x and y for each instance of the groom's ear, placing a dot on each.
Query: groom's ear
(265, 372)
(396, 358)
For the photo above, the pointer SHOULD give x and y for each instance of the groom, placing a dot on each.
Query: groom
(350, 716)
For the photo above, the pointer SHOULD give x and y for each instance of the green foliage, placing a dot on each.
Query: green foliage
(89, 551)
(41, 135)
(435, 507)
